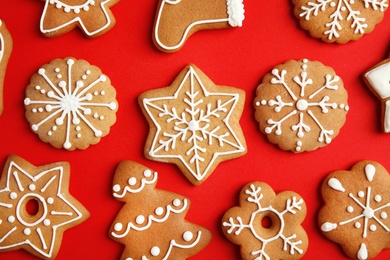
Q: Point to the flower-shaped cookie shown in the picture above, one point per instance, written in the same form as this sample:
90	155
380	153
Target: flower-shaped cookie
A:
39	232
93	16
339	20
267	225
357	208
301	105
70	104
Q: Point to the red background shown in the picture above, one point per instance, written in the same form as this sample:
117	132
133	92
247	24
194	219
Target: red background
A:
234	57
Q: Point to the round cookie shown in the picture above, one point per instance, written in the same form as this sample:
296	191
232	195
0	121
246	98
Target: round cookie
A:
339	20
267	225
356	209
301	105
70	104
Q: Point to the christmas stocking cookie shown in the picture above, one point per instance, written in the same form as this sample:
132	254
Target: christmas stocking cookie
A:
5	52
92	16
176	20
151	224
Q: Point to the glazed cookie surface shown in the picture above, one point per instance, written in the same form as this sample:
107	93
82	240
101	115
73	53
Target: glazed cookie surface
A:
301	105
40	233
94	17
339	20
70	104
378	80
267	225
151	224
194	124
178	19
5	52
356	209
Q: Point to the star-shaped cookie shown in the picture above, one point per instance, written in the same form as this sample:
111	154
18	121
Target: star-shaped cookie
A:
194	124
39	231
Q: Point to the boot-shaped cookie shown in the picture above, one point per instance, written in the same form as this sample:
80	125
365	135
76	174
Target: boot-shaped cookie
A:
92	16
176	20
5	52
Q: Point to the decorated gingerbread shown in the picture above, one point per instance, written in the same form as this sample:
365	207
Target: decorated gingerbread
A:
152	219
5	52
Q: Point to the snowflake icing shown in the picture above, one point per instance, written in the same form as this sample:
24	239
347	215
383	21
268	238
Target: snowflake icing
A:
192	127
366	214
343	10
290	244
70	103
301	104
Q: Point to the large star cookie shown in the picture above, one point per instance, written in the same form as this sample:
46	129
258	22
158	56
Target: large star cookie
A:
5	52
92	16
39	231
194	124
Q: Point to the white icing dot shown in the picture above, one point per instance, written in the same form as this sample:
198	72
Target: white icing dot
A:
147	173
112	105
96	93
11	219
37	87
176	202
50	133
84	77
116	188
101	117
50	200
54	128
27	231
34	110
118	226
96	115
350	209
155	251
78	135
343	9
67	9
57	70
13	195
40	109
373	228
258	103
31	187
140	219
78	128
383	215
159	211
46	222
59	76
41	71
103	78
378	198
187	236
263	102
357	225
102	93
132	181
88	72
70	62
361	194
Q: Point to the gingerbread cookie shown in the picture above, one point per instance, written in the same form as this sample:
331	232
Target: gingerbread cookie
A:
378	80
194	124
339	20
267	225
70	104
5	52
178	19
40	231
94	17
151	224
356	209
301	105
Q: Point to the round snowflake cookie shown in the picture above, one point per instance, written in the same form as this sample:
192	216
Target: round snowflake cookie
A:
339	20
301	105
70	104
356	209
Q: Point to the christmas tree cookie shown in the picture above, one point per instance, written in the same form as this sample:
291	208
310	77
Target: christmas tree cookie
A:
151	224
5	52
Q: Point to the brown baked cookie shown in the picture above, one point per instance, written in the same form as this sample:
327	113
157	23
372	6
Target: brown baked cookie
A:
339	20
378	80
194	124
70	104
356	209
151	224
267	225
301	105
5	53
176	20
94	17
38	231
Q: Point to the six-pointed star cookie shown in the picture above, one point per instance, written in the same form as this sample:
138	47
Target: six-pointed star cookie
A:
194	124
92	16
39	232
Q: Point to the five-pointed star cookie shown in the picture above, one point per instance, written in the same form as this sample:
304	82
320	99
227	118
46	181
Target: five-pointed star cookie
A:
39	231
194	124
92	16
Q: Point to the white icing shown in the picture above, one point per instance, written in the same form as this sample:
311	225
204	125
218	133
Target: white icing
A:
77	9
191	126
116	188
370	171
379	79
362	253
235	13
386	119
290	244
335	184
188	236
155	251
327	226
